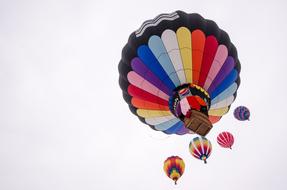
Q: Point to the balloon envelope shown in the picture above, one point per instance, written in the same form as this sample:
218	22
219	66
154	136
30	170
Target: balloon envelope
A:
179	73
241	113
225	139
174	167
200	148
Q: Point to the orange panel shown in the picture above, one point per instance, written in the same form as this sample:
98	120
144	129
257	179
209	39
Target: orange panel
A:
139	103
200	101
214	119
198	41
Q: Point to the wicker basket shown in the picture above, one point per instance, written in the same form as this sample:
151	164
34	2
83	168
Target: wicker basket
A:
197	122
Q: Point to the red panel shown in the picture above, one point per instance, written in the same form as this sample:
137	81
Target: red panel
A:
214	119
192	101
208	57
144	95
198	41
139	103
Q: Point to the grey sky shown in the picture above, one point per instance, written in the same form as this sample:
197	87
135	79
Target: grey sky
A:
65	125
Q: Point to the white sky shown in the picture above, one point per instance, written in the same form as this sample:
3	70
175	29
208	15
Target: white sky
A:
65	125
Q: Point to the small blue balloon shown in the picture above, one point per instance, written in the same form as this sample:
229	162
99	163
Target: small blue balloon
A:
241	113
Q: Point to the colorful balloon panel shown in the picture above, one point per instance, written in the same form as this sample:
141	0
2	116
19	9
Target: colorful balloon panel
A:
172	51
184	42
225	139
171	45
142	83
140	103
156	44
138	66
210	49
174	167
217	63
214	119
200	148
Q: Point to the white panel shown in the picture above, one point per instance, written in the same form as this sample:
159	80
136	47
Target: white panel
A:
170	42
224	103
158	120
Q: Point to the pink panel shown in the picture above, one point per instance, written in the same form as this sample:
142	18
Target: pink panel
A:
143	84
219	59
184	105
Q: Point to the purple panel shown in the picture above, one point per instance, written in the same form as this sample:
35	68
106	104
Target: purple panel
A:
178	110
183	130
142	70
224	71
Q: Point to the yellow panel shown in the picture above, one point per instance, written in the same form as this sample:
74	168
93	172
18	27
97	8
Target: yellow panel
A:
184	42
174	174
166	165
152	113
218	112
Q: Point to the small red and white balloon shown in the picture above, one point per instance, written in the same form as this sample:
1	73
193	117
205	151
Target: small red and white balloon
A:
225	139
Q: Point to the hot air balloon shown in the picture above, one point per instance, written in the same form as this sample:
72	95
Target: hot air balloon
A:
225	139
200	148
179	73
174	167
241	113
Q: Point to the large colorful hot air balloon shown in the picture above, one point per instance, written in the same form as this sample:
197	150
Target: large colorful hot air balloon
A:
174	167
179	73
225	139
241	113
200	148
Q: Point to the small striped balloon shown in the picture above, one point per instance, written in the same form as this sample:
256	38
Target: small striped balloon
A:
174	167
200	148
225	139
241	113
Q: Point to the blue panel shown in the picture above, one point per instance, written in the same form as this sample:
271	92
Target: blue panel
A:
183	130
229	80
225	94
151	62
157	47
166	125
173	129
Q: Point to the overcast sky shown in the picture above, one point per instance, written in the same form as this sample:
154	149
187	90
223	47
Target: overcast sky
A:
65	126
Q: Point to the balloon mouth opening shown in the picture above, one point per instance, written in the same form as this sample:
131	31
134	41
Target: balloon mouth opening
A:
204	159
190	103
189	97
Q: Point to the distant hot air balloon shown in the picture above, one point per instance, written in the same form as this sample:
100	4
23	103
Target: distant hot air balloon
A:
225	139
179	73
174	167
200	148
241	113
